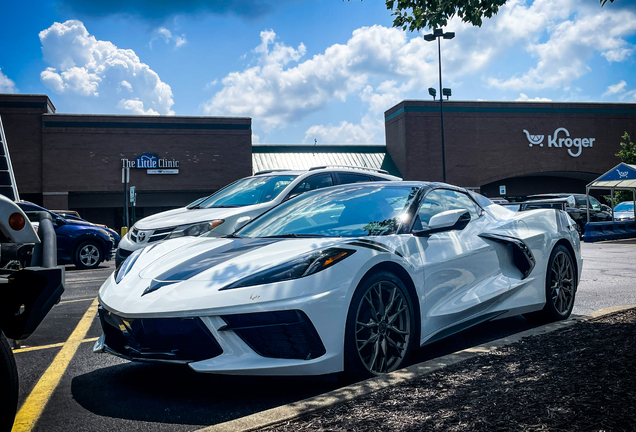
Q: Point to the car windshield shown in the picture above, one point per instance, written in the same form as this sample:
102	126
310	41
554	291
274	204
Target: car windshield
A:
352	211
624	206
248	191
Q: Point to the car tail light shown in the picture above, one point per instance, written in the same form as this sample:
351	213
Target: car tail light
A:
16	221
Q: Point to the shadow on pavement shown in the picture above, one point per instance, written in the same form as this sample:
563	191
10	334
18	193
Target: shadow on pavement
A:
175	394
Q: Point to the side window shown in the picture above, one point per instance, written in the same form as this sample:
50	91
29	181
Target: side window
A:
595	204
440	200
312	183
460	200
346	178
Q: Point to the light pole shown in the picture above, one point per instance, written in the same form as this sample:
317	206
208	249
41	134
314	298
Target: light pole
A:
437	34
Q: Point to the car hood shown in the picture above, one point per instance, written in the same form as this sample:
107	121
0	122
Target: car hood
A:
178	273
183	215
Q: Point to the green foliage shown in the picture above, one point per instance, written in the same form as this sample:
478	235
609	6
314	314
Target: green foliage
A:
627	155
628	152
414	15
418	14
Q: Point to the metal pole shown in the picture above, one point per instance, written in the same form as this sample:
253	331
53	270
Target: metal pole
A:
587	203
126	174
441	108
612	198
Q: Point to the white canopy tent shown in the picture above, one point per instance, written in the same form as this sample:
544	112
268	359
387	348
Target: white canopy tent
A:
621	177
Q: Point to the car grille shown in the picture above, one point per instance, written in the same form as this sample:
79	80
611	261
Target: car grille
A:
150	235
160	234
181	340
282	334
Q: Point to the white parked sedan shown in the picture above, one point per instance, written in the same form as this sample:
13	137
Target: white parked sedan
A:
239	202
345	278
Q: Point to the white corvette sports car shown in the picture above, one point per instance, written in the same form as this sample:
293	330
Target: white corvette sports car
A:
345	278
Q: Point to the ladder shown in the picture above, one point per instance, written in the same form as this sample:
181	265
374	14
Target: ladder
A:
8	186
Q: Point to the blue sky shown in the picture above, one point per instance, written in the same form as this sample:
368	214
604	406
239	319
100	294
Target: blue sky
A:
304	70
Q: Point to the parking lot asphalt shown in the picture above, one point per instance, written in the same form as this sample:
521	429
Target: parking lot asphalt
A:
88	392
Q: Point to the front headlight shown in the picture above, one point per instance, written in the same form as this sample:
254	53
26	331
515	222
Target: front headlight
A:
195	229
302	266
125	267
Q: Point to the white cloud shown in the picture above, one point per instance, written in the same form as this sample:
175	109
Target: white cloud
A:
7	85
276	94
167	36
616	88
367	132
629	96
524	98
135	106
566	55
87	67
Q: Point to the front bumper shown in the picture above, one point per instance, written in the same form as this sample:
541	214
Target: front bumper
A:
278	335
293	336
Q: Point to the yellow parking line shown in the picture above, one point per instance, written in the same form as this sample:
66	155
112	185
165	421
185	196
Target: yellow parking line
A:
85	280
41	347
77	300
36	401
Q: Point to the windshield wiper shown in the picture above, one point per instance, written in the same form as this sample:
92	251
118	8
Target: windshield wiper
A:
231	236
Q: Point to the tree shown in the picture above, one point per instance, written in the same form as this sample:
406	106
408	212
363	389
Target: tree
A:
414	15
627	155
628	152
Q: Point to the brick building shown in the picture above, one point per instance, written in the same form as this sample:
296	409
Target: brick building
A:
528	147
75	162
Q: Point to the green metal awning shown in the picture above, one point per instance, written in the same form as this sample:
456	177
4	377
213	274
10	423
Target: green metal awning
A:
303	157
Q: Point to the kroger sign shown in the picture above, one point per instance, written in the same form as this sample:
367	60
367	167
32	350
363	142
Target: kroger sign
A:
574	145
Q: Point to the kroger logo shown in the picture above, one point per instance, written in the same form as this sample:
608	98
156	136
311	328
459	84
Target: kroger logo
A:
574	145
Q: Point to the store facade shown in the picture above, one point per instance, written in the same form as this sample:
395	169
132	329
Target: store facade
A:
509	149
64	161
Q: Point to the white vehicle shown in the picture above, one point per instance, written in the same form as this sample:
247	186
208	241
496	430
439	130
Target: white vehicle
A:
239	202
624	211
347	278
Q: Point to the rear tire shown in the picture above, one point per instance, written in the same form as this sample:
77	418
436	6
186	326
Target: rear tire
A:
88	255
380	327
560	287
8	386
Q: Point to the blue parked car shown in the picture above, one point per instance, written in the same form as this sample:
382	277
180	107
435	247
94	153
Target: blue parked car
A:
78	242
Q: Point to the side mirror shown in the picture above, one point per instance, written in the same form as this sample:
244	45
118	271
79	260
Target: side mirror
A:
606	208
59	221
241	222
450	220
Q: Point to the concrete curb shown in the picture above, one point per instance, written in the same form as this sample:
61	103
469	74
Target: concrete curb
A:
290	411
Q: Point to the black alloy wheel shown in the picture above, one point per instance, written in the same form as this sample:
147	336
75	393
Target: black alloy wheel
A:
8	386
560	286
88	255
380	327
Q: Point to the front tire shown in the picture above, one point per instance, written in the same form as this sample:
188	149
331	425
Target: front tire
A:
8	386
380	327
88	255
560	287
